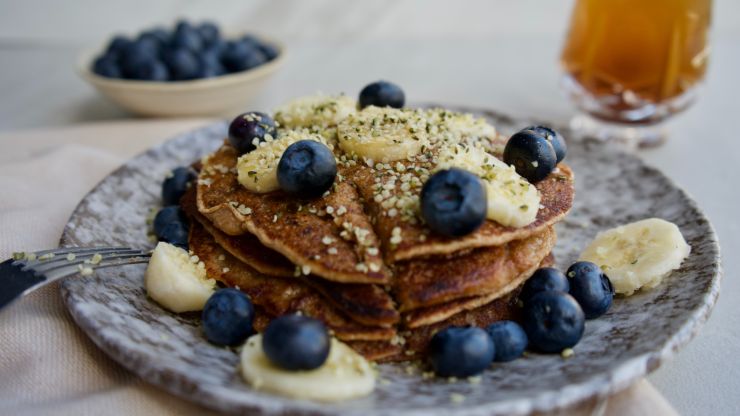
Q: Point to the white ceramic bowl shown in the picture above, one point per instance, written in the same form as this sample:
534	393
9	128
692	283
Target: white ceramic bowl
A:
218	96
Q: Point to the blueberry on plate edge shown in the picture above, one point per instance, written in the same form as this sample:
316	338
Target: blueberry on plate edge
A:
306	169
544	279
553	321
591	288
382	94
453	202
460	351
176	183
171	226
296	342
227	317
509	340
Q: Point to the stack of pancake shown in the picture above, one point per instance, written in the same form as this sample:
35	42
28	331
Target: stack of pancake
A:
382	283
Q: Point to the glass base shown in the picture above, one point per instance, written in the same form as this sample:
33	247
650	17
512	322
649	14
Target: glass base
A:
632	136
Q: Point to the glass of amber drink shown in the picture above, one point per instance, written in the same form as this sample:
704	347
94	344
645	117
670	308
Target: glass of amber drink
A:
630	64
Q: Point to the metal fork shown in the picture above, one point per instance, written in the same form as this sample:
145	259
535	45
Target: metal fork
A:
26	272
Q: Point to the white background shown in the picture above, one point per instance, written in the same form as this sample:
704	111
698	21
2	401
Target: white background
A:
500	54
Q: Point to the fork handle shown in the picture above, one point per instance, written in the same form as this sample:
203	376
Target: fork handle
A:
16	282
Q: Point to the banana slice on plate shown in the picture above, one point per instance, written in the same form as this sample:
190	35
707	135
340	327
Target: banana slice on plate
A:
176	280
638	255
383	134
512	200
344	375
315	111
257	170
452	127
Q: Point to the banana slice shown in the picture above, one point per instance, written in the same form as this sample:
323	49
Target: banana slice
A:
176	280
638	255
317	111
383	134
512	200
257	170
344	375
451	127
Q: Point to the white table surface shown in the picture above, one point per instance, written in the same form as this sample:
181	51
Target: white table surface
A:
495	53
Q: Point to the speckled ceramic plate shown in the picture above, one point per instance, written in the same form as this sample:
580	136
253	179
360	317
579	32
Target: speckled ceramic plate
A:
634	338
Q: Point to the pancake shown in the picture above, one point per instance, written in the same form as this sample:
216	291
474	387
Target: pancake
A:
556	191
340	246
489	270
274	295
366	304
437	313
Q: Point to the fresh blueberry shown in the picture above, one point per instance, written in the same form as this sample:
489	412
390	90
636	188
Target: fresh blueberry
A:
453	202
382	94
544	279
107	66
247	127
509	338
531	154
186	37
209	33
553	321
175	185
171	226
556	140
227	317
151	70
591	288
240	56
182	63
461	351
270	51
296	342
210	68
118	44
159	35
306	169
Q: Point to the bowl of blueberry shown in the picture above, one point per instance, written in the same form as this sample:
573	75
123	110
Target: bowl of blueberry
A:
191	69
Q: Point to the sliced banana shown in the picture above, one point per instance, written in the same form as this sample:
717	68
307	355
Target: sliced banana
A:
383	134
176	280
257	170
512	200
638	255
320	113
344	375
450	127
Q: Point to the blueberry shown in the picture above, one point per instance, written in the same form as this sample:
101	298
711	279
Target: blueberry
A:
296	342
186	37
107	66
556	140
382	94
175	185
553	321
210	68
171	226
544	279
227	317
209	33
591	288
509	339
453	202
137	54
118	44
460	351
531	154
151	70
158	34
182	63
270	51
306	169
240	56
247	127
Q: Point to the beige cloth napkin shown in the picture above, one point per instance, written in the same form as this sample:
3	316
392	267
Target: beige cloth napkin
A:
47	364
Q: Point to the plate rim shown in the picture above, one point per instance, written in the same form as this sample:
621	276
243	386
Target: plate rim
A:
601	385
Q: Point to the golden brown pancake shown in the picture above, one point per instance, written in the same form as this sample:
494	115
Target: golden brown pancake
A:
274	295
364	303
488	270
339	246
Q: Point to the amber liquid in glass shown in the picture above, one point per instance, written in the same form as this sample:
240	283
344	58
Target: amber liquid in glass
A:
634	60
